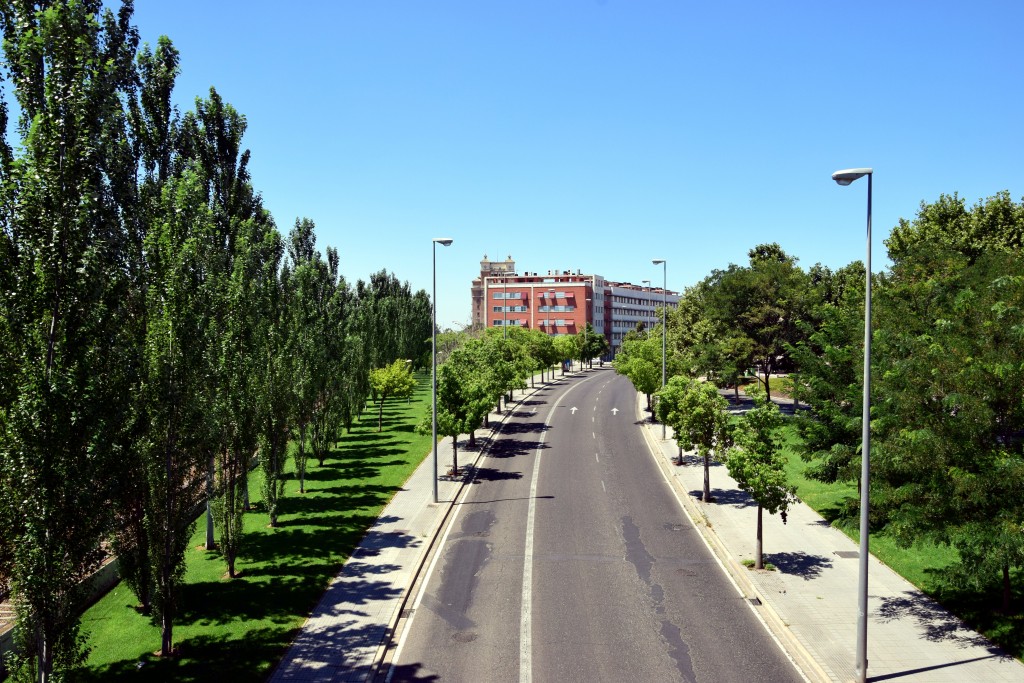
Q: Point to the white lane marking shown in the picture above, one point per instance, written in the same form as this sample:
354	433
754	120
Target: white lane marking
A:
602	487
526	604
597	457
593	435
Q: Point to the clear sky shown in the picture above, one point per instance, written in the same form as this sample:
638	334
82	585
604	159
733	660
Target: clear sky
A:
598	134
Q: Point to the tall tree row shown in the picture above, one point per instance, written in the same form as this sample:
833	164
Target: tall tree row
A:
155	340
64	326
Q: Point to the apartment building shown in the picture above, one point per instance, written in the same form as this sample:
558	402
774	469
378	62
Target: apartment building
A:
562	301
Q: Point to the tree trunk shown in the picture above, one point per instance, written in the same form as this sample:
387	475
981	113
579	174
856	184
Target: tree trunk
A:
166	631
1007	595
380	415
302	459
472	439
767	389
736	389
455	455
649	409
45	660
759	558
211	542
707	477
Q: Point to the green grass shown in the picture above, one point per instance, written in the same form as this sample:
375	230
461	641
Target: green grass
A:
925	565
237	630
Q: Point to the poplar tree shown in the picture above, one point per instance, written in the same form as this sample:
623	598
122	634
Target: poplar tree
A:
70	65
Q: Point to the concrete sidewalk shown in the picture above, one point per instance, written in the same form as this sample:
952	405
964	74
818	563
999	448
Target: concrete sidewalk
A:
349	633
810	602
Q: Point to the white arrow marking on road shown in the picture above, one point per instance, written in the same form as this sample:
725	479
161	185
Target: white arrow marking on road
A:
573	409
615	411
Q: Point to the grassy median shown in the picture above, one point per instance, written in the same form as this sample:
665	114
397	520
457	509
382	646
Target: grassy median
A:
237	630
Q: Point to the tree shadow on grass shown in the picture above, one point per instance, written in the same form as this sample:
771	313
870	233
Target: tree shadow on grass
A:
202	658
800	564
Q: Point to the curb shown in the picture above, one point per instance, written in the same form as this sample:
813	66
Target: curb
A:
801	657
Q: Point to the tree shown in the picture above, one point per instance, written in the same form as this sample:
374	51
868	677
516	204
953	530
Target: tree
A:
756	462
697	415
639	359
948	459
394	380
590	344
464	396
274	390
763	305
831	372
175	394
70	68
566	346
308	292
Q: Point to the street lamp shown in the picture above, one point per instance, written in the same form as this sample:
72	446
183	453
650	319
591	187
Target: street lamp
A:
444	242
664	328
861	665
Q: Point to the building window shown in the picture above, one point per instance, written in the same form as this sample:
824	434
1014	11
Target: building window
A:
556	309
508	295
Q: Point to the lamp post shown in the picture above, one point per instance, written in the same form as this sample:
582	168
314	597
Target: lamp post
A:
846	177
664	328
443	241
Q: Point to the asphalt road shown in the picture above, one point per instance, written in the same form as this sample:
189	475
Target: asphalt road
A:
570	559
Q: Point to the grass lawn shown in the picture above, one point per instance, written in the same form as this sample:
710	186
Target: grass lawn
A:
924	564
237	630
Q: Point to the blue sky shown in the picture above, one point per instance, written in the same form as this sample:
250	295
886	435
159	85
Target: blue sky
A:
601	134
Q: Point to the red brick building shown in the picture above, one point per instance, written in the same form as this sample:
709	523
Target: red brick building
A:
562	301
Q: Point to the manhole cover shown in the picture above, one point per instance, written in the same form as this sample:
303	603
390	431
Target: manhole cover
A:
848	554
464	637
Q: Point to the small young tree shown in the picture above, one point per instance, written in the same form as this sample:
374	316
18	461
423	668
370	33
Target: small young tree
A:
391	381
639	359
696	412
758	466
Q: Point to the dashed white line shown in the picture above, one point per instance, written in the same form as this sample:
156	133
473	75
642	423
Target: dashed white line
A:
603	487
526	605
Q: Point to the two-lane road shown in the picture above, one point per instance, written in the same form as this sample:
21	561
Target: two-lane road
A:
570	559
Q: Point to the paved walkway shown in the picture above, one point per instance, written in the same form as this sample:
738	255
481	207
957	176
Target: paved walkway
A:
810	603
